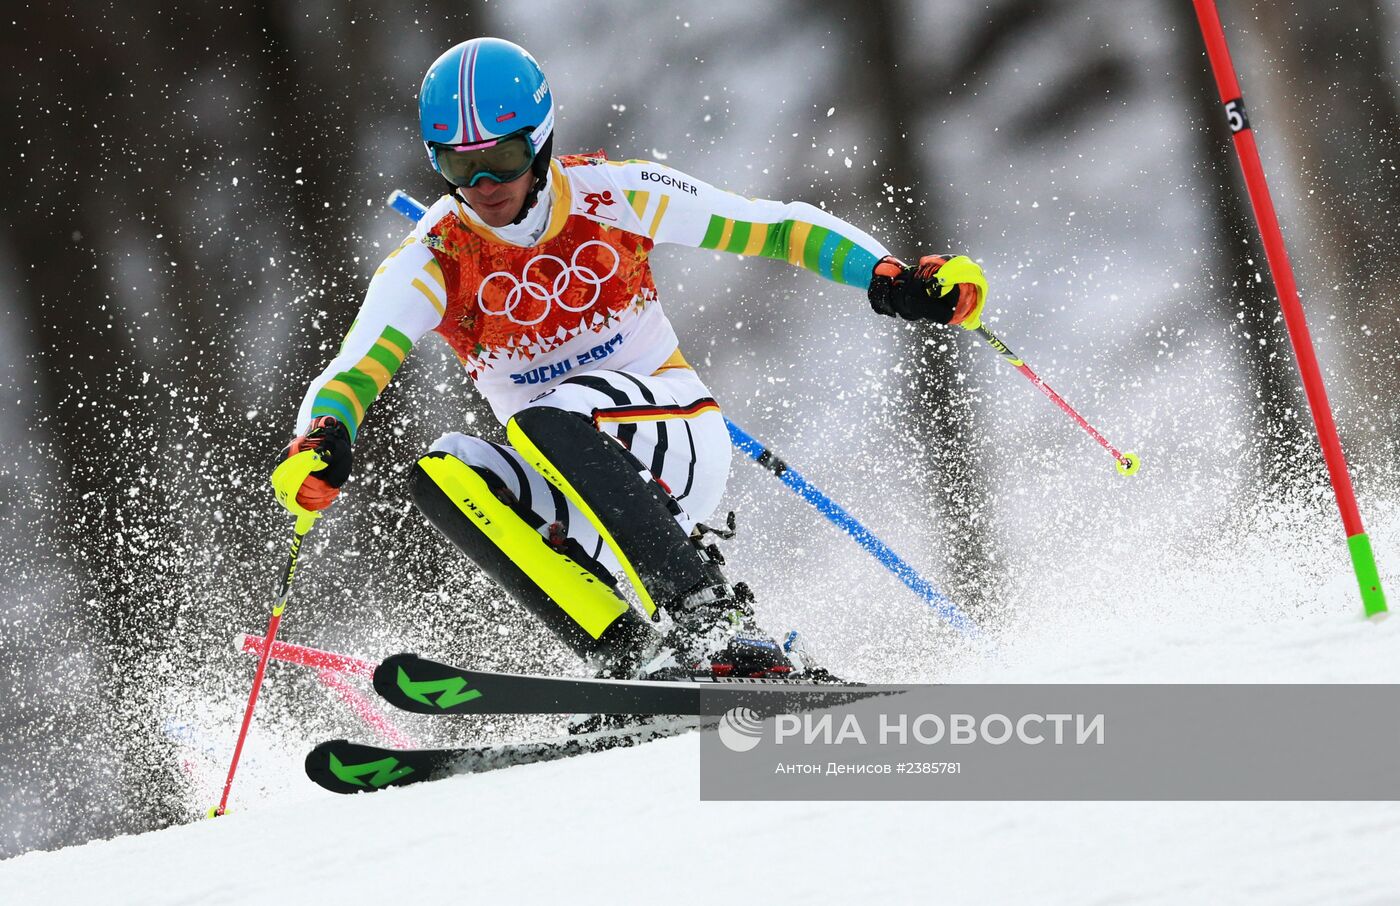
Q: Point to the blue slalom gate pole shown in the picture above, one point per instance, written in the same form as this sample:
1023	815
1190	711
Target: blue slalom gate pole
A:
837	515
834	512
407	205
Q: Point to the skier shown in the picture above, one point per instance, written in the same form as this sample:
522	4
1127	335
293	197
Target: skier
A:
535	270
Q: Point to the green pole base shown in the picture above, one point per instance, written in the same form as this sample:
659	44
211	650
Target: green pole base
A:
1363	559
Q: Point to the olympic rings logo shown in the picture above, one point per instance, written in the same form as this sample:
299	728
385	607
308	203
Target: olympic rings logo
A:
550	295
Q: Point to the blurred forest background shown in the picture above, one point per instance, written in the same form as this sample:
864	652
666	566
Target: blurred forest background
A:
193	205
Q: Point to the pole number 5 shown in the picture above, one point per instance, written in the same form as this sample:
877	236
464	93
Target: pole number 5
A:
1234	112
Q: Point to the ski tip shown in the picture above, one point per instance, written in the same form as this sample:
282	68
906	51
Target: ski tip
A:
319	755
387	671
330	744
395	660
341	766
319	769
424	686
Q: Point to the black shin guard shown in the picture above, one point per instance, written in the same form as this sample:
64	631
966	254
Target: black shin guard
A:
570	598
635	517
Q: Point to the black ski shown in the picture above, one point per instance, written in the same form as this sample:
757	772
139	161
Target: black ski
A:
347	767
416	684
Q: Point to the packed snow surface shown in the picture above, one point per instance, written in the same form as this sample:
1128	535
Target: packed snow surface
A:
628	825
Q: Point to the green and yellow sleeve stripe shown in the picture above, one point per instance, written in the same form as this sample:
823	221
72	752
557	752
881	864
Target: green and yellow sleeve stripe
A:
431	269
816	248
347	395
649	215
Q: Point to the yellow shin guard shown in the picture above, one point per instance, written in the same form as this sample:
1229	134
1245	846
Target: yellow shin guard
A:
577	605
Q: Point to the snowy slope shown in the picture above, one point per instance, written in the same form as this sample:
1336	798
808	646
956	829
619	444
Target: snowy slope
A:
1273	603
628	826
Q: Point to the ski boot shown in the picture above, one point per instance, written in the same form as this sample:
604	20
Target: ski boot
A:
714	629
734	646
751	652
714	634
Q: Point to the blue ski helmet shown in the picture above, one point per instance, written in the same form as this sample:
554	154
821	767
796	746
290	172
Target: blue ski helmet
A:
485	89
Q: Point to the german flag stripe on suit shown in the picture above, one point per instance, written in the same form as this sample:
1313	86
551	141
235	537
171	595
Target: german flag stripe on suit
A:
654	413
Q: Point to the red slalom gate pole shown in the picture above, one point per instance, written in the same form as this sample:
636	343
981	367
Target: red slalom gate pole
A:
330	670
336	682
306	657
1363	559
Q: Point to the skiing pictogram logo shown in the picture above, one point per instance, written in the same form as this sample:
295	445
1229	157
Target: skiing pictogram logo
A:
740	729
595	199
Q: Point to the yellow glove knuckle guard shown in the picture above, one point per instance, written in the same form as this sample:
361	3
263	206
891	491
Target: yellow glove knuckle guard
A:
962	269
287	479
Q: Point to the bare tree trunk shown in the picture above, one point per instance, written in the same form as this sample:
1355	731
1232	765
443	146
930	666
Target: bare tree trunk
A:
1340	123
940	407
139	264
104	422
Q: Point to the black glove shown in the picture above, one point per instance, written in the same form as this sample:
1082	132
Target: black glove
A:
916	292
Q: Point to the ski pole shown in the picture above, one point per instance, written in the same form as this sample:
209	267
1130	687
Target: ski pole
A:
286	479
414	210
1363	559
1128	463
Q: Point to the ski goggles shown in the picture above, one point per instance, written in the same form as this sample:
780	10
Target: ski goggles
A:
499	160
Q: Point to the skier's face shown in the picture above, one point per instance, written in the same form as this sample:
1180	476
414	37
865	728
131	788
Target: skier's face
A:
498	203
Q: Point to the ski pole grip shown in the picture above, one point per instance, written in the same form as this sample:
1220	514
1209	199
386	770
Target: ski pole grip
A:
287	479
